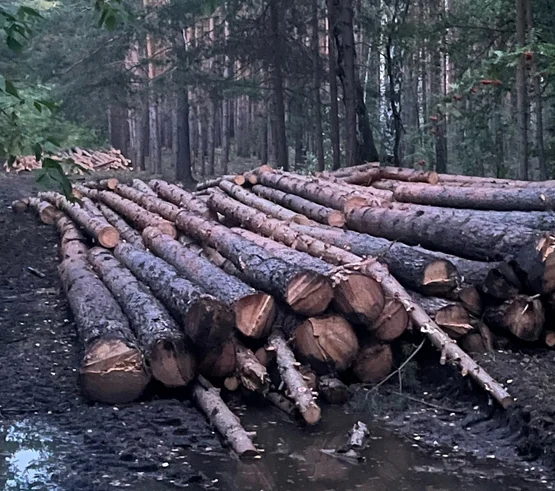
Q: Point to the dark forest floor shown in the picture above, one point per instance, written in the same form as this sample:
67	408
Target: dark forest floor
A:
107	447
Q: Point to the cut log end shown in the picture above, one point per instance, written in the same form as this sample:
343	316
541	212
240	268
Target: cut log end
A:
220	362
255	314
167	228
108	237
454	320
113	373
336	219
209	322
550	339
392	322
312	414
373	363
111	183
172	364
359	297
440	277
309	293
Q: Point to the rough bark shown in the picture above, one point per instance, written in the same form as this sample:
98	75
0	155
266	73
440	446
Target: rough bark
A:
153	204
254	311
328	343
373	363
174	194
238	179
293	380
204	319
47	212
72	242
451	316
366	177
228	425
334	106
521	83
414	268
357	296
522	316
161	339
449	179
314	211
136	214
316	76
471	239
101	184
305	291
184	161
112	368
125	231
262	204
143	187
99	229
517	199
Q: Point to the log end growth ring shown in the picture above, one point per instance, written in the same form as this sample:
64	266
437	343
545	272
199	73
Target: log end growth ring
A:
440	276
255	314
108	237
113	373
309	293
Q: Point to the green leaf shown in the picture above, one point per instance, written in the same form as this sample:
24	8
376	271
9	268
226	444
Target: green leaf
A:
38	106
110	22
14	44
37	149
11	89
30	12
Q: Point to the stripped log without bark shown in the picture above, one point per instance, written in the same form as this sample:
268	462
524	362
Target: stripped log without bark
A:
125	231
252	373
161	339
136	214
451	316
293	380
254	311
174	194
327	343
450	352
214	183
520	199
357	296
205	320
112	368
47	212
303	290
106	235
416	269
314	211
262	204
228	425
522	316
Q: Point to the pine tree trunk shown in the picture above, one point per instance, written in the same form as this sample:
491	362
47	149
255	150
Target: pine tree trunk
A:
211	136
522	92
318	129
334	105
183	164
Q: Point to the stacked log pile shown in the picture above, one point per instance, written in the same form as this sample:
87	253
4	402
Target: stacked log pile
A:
289	286
75	160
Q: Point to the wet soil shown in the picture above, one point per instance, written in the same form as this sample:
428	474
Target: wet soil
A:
162	442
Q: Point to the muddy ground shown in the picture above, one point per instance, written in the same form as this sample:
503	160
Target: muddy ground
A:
107	447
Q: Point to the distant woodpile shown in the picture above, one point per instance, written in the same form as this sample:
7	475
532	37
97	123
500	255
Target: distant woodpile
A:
292	286
85	160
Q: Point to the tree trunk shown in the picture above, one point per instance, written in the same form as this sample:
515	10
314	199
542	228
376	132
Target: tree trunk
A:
47	212
158	334
294	381
180	197
357	296
282	157
522	92
316	78
303	206
522	316
513	199
303	290
238	179
126	232
334	105
392	322
366	176
229	426
373	363
418	270
205	320
252	373
96	227
212	105
226	137
183	164
254	311
153	204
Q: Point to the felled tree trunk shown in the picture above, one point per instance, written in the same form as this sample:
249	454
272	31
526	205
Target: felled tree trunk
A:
153	204
293	380
110	183
252	373
205	320
392	322
368	176
303	290
254	311
262	204
238	179
112	369
174	194
327	343
522	316
47	212
163	343
314	211
357	296
373	363
473	180
416	269
99	229
72	242
220	361
143	187
126	232
451	316
523	199
136	214
229	426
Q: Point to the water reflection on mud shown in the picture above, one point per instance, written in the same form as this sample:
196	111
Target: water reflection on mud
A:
293	461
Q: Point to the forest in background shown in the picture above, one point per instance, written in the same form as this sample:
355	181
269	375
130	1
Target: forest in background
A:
199	87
